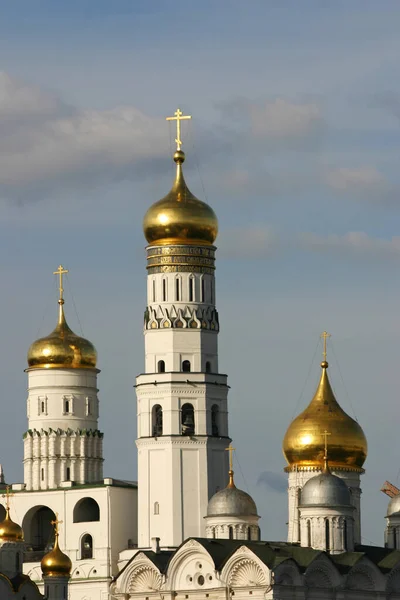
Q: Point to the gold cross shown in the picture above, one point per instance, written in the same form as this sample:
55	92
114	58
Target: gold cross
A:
325	335
60	272
230	449
326	434
55	524
7	496
178	118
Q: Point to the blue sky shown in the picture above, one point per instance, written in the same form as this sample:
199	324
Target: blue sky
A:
294	142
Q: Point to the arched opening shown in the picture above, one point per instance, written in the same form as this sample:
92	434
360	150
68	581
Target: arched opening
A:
66	406
231	533
394	538
157	420
38	530
42	407
208	367
164	290
2	513
161	366
177	289
309	534
203	290
191	289
327	536
187	419
215	420
156	508
345	535
68	474
86	510
86	546
186	366
248	533
212	294
154	290
42	474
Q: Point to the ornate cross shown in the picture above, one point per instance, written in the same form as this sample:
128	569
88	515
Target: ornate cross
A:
7	496
325	435
230	449
60	272
55	524
325	335
179	116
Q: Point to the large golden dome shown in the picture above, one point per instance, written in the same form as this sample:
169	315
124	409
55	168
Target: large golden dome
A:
55	563
62	348
303	445
180	217
10	531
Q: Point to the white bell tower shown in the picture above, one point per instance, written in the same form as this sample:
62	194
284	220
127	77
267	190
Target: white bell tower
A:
181	397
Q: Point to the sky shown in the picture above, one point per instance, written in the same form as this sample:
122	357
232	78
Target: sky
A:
294	142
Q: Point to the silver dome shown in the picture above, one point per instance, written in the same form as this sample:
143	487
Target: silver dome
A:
394	506
325	490
231	502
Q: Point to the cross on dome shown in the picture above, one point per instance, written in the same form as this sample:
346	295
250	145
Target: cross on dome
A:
55	524
60	272
179	116
325	335
7	496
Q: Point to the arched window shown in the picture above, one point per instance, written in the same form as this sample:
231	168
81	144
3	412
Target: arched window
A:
66	406
231	533
215	420
249	533
191	289
38	530
177	289
42	474
212	294
394	538
2	513
154	290
86	510
309	534
186	366
86	546
203	290
327	536
208	367
157	421
345	535
43	407
156	508
258	533
187	419
164	290
213	532
161	366
68	475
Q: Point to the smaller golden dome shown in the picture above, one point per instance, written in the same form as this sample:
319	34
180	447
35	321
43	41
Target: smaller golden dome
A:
303	445
62	348
180	217
10	531
56	563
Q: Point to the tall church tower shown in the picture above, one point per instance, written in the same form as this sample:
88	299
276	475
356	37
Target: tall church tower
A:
63	442
181	397
304	450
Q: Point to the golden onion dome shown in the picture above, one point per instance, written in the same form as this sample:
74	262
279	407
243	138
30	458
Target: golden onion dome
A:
10	531
303	445
180	217
55	563
62	348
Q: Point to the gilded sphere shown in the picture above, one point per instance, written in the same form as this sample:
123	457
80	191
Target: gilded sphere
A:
10	531
304	446
180	217
62	348
56	563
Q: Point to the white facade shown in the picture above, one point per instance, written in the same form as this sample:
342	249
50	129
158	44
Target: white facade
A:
297	480
98	522
63	442
182	405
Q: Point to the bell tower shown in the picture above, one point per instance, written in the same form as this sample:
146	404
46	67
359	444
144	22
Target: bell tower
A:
181	396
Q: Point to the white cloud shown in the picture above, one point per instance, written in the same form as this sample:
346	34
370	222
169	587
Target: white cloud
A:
357	243
46	146
247	242
362	179
282	118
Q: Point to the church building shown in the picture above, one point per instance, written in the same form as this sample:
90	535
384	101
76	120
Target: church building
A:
184	530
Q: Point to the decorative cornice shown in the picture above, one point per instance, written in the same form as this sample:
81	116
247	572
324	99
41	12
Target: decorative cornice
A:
318	469
181	259
64	432
182	317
